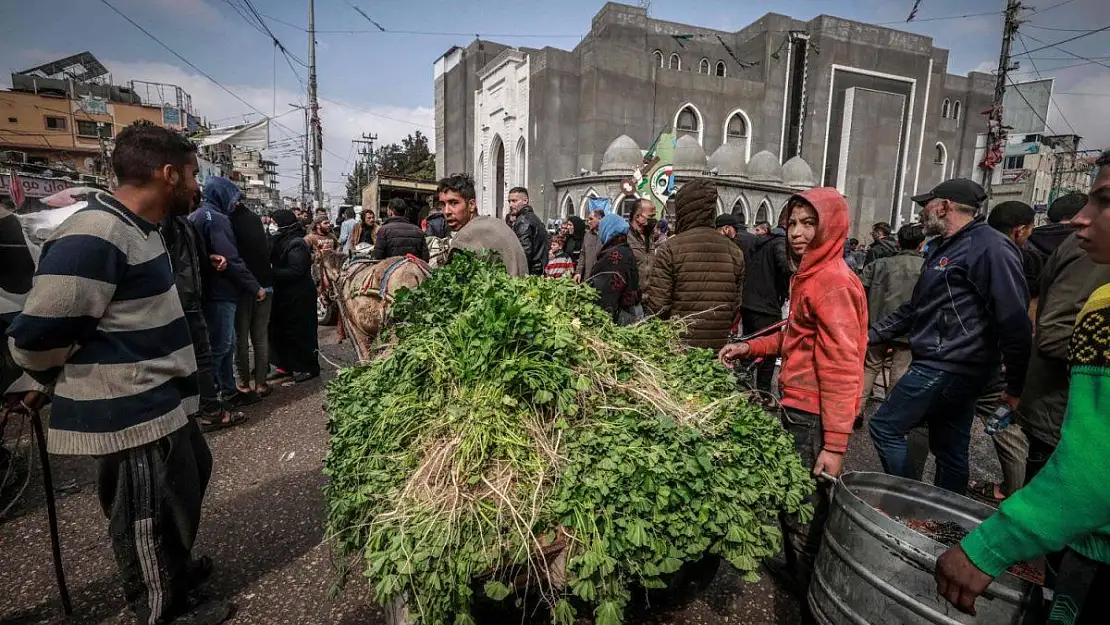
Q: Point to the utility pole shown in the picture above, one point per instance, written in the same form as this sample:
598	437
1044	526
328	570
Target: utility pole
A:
305	155
367	153
995	148
314	105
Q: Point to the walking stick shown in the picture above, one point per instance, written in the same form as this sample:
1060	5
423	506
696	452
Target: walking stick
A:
51	512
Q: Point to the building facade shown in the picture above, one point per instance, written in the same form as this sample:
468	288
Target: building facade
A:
63	115
872	110
1037	168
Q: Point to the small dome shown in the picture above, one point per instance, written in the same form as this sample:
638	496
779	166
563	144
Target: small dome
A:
764	167
689	156
797	173
622	155
728	160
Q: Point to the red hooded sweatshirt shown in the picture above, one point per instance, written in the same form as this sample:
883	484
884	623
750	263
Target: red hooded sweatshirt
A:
825	338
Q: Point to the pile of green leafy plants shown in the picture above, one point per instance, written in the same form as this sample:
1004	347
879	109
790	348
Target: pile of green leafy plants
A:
513	435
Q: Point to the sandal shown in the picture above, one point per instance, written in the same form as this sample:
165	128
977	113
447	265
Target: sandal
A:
278	374
263	390
985	492
227	419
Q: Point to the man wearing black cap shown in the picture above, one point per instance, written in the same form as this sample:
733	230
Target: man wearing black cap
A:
967	316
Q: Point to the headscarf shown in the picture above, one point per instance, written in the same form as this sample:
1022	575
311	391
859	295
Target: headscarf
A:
576	240
611	225
288	227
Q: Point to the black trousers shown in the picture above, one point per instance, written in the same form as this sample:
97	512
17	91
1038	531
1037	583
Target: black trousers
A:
152	497
752	321
1081	593
210	405
802	541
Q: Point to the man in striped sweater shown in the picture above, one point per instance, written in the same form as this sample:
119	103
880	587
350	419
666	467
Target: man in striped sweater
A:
104	329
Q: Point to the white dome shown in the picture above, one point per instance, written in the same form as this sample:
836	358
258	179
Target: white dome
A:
764	167
728	160
797	173
689	156
622	155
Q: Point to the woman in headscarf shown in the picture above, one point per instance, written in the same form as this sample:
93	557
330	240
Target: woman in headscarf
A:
575	238
615	274
293	340
366	230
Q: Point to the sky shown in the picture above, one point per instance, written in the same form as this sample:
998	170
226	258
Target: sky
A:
382	82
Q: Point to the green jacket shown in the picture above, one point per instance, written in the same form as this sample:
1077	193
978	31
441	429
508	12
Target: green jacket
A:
1067	280
889	282
1067	504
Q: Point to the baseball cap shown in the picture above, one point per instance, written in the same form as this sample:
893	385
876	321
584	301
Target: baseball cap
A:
958	190
727	220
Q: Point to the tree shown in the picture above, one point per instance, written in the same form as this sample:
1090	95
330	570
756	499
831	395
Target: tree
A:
356	180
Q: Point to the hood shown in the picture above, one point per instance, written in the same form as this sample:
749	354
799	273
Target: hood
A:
611	225
221	194
435	216
1047	238
765	239
695	205
579	227
827	245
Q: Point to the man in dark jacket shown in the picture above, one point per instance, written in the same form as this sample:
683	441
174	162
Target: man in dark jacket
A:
698	275
252	317
222	292
435	225
968	314
398	236
1045	239
530	230
766	287
883	244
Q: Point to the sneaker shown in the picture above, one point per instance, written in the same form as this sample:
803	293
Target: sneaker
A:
304	376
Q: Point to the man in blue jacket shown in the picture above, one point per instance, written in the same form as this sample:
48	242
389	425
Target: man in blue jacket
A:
223	291
968	315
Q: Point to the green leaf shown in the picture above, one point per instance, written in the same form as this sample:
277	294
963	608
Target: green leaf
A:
496	590
564	613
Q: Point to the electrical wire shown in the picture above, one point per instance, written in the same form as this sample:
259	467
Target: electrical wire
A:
376	114
1072	54
1069	39
1055	6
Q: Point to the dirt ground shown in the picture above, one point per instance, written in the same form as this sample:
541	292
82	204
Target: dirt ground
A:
263	526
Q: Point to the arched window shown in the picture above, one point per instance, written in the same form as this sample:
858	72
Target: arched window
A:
568	206
941	157
703	67
721	69
658	54
688	120
740	208
738	131
520	163
676	62
956	110
584	207
944	108
764	212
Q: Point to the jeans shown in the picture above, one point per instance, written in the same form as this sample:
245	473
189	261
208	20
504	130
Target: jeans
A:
946	403
252	324
220	317
802	541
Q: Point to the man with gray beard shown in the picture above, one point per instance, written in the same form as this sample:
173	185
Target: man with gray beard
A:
968	315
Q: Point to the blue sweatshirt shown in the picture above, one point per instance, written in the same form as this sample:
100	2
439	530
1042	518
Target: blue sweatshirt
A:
969	309
211	221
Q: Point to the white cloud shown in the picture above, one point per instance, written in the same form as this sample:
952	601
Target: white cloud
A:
987	67
339	120
1086	114
190	10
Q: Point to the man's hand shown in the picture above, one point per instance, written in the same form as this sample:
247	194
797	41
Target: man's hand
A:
1009	400
733	351
260	295
828	462
219	263
33	400
959	580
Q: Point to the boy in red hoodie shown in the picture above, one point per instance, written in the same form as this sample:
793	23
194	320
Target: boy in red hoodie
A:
822	350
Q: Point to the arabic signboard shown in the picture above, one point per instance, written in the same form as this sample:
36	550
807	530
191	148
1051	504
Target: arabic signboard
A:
1014	176
95	106
34	186
171	117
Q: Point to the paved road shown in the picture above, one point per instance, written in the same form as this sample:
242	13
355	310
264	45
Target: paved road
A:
263	526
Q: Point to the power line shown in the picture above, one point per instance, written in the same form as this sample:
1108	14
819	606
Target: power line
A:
1055	6
1064	30
1086	95
1069	39
1026	100
376	114
1072	54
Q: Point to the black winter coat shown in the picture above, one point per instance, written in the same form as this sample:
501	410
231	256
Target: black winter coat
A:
767	276
436	226
397	237
253	243
617	278
189	259
533	238
880	249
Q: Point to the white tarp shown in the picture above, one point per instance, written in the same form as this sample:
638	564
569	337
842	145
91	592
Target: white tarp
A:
252	135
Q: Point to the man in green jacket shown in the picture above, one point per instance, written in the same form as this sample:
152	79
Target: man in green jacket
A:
1067	505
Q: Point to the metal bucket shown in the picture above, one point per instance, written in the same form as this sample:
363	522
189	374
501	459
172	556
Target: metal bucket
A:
872	570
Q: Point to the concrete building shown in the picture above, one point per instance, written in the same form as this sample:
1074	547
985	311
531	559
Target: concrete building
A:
1037	169
873	110
63	115
257	178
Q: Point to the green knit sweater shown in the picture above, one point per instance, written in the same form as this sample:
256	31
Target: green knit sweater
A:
1068	503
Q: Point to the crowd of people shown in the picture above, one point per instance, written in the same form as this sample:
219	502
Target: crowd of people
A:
159	309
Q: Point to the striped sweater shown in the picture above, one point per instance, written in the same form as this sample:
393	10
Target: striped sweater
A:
104	326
